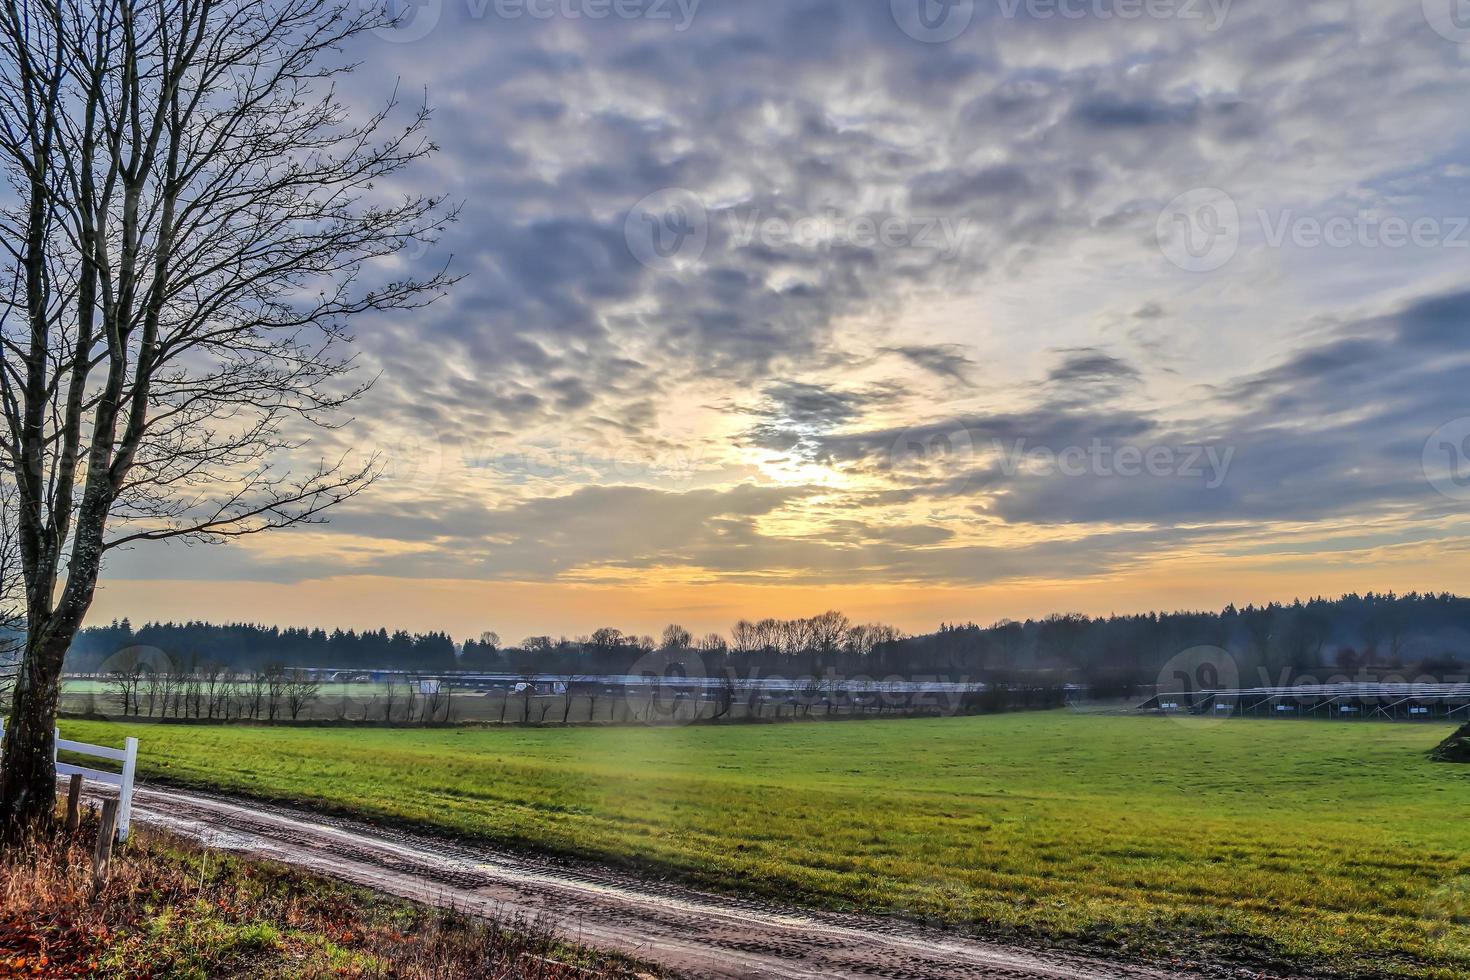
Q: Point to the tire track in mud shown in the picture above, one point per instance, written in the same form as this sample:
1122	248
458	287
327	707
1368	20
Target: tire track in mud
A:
679	928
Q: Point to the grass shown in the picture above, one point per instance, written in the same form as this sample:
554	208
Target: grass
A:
173	910
1334	846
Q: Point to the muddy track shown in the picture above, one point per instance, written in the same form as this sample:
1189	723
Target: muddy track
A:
691	932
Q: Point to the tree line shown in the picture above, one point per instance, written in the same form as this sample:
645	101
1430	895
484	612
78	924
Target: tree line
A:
144	688
1418	633
249	647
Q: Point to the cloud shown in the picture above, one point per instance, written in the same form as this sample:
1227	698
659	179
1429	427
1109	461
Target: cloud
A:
835	406
946	361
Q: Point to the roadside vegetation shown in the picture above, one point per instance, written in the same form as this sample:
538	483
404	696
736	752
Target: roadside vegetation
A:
1340	848
174	910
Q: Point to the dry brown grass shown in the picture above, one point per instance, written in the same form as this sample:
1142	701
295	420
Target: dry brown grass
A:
172	909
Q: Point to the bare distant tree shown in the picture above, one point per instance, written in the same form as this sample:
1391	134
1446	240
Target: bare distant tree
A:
253	695
390	695
448	703
436	697
191	692
676	637
725	696
193	220
159	690
608	639
527	684
302	691
218	683
275	680
745	637
568	691
124	683
411	699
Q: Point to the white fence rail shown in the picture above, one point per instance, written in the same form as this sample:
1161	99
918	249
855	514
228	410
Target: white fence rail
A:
128	756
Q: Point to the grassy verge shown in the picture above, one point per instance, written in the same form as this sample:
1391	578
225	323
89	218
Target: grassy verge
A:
1335	847
173	910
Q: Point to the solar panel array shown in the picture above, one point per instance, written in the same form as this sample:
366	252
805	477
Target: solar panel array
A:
1393	701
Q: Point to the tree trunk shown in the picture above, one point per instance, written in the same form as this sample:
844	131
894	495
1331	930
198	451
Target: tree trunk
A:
28	772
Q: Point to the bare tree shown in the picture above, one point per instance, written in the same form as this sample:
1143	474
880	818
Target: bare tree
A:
191	692
253	695
436	696
193	223
302	691
676	637
410	699
725	694
275	679
218	682
390	695
527	687
568	690
124	682
160	690
448	702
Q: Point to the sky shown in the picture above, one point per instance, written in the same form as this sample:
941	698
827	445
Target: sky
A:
926	310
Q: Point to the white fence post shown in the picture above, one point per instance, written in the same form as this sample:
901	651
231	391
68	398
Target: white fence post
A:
125	792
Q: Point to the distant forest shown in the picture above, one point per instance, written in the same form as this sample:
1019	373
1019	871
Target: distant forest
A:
1369	635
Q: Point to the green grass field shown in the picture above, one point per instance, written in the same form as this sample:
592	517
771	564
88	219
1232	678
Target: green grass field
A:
1336	843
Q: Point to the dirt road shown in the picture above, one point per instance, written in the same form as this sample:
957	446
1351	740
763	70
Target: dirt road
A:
699	934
